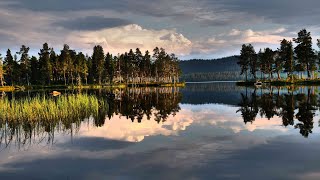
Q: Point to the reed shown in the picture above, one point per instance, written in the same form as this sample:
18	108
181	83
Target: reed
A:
65	109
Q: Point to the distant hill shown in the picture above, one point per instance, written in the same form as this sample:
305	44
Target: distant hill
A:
213	65
224	69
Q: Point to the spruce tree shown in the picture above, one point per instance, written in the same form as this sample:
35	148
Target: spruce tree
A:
304	53
286	56
9	67
24	64
98	63
45	64
2	82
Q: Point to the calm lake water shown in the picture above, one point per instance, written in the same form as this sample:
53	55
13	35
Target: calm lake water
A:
204	131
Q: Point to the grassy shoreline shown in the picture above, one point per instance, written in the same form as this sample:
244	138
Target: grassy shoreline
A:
115	86
284	82
41	108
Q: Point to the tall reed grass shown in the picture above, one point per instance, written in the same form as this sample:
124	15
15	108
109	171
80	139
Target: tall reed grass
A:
66	108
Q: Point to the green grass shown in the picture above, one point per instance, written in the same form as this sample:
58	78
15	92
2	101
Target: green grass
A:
64	108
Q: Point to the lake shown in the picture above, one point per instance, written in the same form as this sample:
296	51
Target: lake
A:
202	131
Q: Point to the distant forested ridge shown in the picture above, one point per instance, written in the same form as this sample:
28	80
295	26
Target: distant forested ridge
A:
224	69
69	67
212	65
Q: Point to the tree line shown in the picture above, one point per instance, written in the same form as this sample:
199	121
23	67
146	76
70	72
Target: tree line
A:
212	76
286	59
75	68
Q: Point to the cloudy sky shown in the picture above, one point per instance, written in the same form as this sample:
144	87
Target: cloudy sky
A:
189	28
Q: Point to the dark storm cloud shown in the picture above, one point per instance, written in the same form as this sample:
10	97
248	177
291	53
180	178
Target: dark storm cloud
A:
92	23
278	11
195	19
157	9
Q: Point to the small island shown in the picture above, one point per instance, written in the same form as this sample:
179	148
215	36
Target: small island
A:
288	65
71	69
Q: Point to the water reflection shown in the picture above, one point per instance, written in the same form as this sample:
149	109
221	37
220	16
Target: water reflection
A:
123	107
295	107
158	134
134	103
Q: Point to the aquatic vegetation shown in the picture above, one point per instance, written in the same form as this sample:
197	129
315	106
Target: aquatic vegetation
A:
37	118
49	109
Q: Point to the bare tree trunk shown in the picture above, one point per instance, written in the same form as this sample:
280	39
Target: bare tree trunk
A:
64	77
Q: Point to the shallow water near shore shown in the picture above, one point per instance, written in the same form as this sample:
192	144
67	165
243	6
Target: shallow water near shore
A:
202	131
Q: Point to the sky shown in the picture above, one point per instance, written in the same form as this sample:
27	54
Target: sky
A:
189	28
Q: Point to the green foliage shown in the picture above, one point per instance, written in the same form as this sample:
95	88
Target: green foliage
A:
35	70
248	60
9	67
45	109
267	60
27	117
109	67
2	72
45	65
285	59
24	64
305	55
69	67
286	56
97	63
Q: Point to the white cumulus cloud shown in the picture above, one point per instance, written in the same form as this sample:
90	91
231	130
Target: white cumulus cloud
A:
121	39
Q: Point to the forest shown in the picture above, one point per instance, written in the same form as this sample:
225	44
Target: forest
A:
223	69
286	63
213	76
75	68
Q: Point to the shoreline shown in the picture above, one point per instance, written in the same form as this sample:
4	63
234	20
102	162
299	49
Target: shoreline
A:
91	86
303	82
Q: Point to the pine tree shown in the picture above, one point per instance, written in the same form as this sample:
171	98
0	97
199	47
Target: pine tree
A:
248	60
81	68
24	63
269	61
109	67
9	67
35	70
147	64
279	63
97	63
286	56
45	64
54	60
304	53
139	64
2	82
64	61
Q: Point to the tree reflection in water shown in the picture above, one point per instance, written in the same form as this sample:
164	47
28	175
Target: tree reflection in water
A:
131	103
296	108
